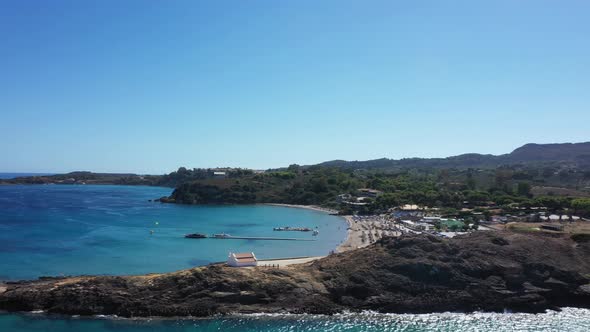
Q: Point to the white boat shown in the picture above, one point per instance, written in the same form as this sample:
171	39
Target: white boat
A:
222	235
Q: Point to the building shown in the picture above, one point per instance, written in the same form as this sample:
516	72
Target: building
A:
431	220
369	192
412	207
219	174
242	259
553	227
342	198
496	219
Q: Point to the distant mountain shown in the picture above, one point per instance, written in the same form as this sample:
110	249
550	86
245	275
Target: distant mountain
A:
576	154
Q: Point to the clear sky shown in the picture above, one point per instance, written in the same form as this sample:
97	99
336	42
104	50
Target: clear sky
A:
148	86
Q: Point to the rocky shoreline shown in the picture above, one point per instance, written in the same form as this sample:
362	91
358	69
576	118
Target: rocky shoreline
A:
484	271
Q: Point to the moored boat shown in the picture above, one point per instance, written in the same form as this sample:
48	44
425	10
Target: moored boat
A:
196	236
292	229
222	235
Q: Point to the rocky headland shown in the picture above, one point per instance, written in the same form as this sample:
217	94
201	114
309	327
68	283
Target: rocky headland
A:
487	271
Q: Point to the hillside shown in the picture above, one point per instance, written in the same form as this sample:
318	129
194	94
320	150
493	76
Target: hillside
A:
484	271
83	177
574	154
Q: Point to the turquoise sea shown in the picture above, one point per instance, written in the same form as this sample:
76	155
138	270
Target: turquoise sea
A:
73	230
48	230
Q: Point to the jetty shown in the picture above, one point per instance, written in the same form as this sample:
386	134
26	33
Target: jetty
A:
292	229
231	237
224	236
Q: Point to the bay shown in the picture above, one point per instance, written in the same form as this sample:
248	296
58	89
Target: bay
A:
55	230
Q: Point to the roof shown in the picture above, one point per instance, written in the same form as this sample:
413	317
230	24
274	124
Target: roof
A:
244	255
246	260
370	190
410	207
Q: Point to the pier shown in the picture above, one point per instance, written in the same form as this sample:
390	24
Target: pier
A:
229	237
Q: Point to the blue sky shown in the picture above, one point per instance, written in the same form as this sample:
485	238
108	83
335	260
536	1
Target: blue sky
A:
148	86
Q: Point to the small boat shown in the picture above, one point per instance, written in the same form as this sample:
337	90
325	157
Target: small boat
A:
221	236
196	236
292	229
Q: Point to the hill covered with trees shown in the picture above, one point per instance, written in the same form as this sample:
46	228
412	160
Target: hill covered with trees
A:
556	176
575	155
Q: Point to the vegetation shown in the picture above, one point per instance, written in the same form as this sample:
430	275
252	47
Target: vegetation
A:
314	185
508	187
582	205
553	176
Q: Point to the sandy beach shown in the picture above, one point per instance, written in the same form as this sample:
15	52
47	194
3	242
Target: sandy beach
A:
309	207
353	239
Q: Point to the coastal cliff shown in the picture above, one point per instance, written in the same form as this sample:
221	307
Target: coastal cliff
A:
488	271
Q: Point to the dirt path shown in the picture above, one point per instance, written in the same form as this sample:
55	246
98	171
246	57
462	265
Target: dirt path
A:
285	262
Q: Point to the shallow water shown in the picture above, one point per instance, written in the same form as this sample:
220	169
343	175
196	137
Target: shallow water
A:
49	230
570	319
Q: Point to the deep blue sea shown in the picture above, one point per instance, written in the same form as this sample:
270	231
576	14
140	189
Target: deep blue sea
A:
76	229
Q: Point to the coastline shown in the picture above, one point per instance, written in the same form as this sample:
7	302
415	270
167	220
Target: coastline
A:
354	237
328	286
353	234
308	207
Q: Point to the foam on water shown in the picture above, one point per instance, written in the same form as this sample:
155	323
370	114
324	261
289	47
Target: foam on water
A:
569	319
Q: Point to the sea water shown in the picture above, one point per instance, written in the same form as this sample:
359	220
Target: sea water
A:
55	230
7	176
73	230
569	319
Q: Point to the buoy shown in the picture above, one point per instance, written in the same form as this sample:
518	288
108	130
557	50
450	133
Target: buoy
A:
151	231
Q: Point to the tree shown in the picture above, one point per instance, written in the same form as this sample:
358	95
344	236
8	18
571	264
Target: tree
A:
523	189
471	182
581	205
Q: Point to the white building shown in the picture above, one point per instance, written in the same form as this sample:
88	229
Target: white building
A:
431	220
369	192
242	259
